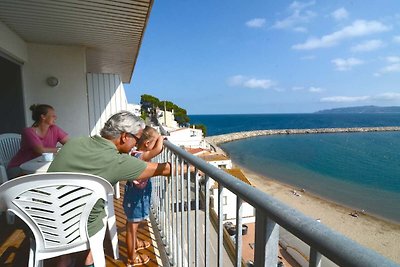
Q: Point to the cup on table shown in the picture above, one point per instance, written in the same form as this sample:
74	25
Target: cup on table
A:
48	156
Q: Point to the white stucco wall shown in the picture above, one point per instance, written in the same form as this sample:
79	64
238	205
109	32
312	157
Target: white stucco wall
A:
168	119
229	207
227	164
187	137
69	98
12	45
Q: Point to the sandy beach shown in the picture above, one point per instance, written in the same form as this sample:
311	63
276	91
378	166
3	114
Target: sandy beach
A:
374	233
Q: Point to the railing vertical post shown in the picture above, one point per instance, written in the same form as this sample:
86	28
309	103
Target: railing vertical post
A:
189	202
207	221
315	258
174	212
267	237
161	181
239	214
196	221
168	209
182	213
220	226
177	232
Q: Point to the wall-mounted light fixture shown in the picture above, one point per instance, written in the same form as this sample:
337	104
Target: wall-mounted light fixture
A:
52	81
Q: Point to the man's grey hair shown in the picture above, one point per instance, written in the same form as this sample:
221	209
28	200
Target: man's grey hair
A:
122	122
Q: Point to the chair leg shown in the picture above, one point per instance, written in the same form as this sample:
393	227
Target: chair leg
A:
33	259
117	193
112	228
96	247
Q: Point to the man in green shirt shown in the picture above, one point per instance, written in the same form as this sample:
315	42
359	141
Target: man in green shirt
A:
107	156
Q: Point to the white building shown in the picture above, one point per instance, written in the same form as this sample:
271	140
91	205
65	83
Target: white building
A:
228	198
167	119
188	137
229	201
218	160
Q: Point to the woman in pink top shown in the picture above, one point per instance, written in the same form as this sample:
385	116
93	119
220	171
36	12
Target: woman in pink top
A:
42	137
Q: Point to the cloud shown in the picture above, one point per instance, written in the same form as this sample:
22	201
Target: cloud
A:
298	16
256	23
300	29
346	64
391	68
393	65
315	89
393	59
346	99
357	29
389	96
298	6
243	81
396	39
311	89
368	46
340	14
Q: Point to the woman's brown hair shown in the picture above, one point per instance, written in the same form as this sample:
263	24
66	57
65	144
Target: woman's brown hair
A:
37	111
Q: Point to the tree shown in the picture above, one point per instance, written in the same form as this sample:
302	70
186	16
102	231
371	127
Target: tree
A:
150	103
202	127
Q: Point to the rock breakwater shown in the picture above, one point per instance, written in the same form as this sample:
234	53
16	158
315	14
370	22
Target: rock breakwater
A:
224	138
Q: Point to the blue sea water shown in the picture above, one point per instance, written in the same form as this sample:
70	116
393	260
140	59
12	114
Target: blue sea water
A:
359	170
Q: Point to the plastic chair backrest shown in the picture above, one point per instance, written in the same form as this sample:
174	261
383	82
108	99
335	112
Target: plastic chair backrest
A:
56	207
9	146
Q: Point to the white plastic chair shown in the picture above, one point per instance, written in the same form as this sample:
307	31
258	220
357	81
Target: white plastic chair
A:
9	146
56	207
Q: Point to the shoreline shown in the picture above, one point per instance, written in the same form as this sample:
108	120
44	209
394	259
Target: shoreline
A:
368	230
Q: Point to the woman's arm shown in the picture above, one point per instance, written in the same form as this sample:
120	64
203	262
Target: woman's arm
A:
41	149
64	140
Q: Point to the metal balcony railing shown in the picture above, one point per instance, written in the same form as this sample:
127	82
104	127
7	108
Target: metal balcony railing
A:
181	207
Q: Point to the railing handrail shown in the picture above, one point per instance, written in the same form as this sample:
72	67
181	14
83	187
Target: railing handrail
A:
312	232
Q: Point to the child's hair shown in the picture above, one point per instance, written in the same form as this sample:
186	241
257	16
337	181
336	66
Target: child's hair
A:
147	135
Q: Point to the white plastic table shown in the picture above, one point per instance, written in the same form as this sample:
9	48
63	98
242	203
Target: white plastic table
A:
36	165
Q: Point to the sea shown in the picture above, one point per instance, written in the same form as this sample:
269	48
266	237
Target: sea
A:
357	170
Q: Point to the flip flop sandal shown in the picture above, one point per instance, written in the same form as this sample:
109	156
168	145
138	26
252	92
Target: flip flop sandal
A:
142	245
139	260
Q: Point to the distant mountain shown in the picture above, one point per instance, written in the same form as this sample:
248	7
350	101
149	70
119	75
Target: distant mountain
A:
362	109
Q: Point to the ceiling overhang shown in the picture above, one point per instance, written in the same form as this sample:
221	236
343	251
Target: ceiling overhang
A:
111	31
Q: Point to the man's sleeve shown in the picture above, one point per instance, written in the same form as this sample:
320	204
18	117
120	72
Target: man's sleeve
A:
130	168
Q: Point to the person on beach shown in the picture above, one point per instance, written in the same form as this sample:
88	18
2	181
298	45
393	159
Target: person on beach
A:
107	156
137	196
41	137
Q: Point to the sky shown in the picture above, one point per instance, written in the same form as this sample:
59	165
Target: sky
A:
258	56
